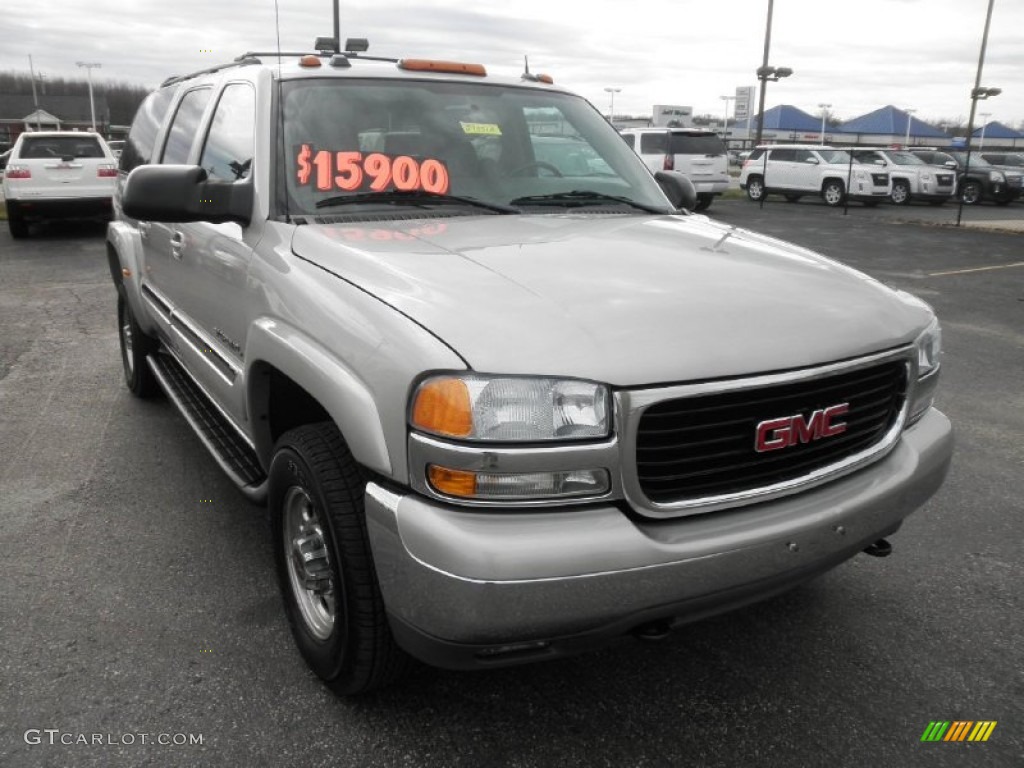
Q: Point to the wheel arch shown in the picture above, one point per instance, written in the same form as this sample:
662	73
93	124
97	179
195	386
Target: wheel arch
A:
291	380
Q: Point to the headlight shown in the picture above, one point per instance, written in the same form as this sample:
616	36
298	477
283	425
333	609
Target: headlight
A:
929	349
926	177
860	175
996	176
510	409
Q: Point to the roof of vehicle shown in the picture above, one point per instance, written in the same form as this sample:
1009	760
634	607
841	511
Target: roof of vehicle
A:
54	134
295	66
797	146
667	129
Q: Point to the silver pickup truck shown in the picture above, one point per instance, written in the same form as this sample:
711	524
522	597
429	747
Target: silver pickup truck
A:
501	408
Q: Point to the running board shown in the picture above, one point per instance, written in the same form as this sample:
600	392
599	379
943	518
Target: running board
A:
232	453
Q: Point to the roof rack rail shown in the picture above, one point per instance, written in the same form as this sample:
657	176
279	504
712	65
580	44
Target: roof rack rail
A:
321	54
241	61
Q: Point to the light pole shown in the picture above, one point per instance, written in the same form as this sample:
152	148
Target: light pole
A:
824	114
977	92
611	109
725	121
906	140
766	73
92	105
984	124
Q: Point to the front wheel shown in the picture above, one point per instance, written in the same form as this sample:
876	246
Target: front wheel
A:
136	346
900	194
970	193
324	563
703	201
833	192
755	188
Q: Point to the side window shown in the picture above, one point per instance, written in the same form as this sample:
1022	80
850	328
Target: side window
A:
185	126
783	155
653	143
802	155
138	148
228	151
630	139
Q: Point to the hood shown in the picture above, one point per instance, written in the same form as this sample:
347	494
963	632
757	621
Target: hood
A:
627	300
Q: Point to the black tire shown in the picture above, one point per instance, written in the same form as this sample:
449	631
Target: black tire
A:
970	192
833	192
704	200
136	346
755	188
792	198
17	225
324	563
900	194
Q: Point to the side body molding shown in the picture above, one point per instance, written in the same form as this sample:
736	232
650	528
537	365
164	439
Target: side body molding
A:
344	396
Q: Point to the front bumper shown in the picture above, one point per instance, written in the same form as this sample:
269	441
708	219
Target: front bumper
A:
467	589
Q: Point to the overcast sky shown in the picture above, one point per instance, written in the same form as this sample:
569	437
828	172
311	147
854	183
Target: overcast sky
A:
857	55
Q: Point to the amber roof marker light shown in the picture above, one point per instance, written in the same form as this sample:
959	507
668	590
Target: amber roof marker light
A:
451	67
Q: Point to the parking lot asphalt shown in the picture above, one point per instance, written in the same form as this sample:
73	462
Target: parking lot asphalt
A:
137	592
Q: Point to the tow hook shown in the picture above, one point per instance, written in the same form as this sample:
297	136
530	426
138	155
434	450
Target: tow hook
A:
880	548
652	631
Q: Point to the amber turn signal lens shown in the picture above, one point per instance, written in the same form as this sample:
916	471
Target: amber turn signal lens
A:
453	482
452	67
442	406
309	61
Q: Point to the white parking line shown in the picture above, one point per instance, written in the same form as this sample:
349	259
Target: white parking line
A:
975	269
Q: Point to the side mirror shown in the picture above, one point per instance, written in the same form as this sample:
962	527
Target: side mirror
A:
811	160
181	193
951	164
677	188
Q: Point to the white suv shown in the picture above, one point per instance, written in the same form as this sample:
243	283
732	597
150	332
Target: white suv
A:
912	177
795	170
700	155
58	175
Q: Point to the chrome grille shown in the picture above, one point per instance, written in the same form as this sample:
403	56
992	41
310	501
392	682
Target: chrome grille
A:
703	446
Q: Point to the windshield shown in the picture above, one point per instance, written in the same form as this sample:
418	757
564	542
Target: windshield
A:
492	144
905	158
976	159
835	156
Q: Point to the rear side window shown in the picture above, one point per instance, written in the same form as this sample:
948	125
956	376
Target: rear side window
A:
653	143
185	126
43	147
138	148
701	144
227	154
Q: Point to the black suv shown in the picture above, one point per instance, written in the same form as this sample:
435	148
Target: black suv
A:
983	181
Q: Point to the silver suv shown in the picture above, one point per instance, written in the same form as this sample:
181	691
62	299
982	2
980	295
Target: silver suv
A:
912	178
503	405
796	170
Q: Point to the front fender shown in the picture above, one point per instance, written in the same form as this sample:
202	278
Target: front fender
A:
124	249
342	393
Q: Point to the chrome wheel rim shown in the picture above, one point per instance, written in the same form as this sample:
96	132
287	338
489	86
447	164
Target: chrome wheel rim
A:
309	563
971	194
899	194
832	194
755	190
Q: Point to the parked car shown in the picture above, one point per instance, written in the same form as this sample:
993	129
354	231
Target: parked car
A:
57	175
795	170
700	155
1013	161
3	159
912	178
981	181
500	414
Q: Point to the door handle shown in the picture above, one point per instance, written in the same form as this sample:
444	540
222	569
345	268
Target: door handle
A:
177	243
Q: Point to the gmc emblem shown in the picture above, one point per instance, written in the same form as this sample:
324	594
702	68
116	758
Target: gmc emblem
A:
774	434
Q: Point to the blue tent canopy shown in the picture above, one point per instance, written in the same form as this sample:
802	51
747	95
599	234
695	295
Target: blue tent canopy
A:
996	130
890	121
785	117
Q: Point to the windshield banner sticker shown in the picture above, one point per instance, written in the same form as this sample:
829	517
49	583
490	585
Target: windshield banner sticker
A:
481	129
349	171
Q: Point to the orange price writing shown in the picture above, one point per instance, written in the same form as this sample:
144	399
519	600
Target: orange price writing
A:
349	171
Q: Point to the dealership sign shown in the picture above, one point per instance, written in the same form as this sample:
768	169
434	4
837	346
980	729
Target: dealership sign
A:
673	115
744	102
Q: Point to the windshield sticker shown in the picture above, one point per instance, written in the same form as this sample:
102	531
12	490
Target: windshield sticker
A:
350	171
481	129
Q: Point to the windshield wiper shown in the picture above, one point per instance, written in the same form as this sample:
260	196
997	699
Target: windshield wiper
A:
418	197
579	198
